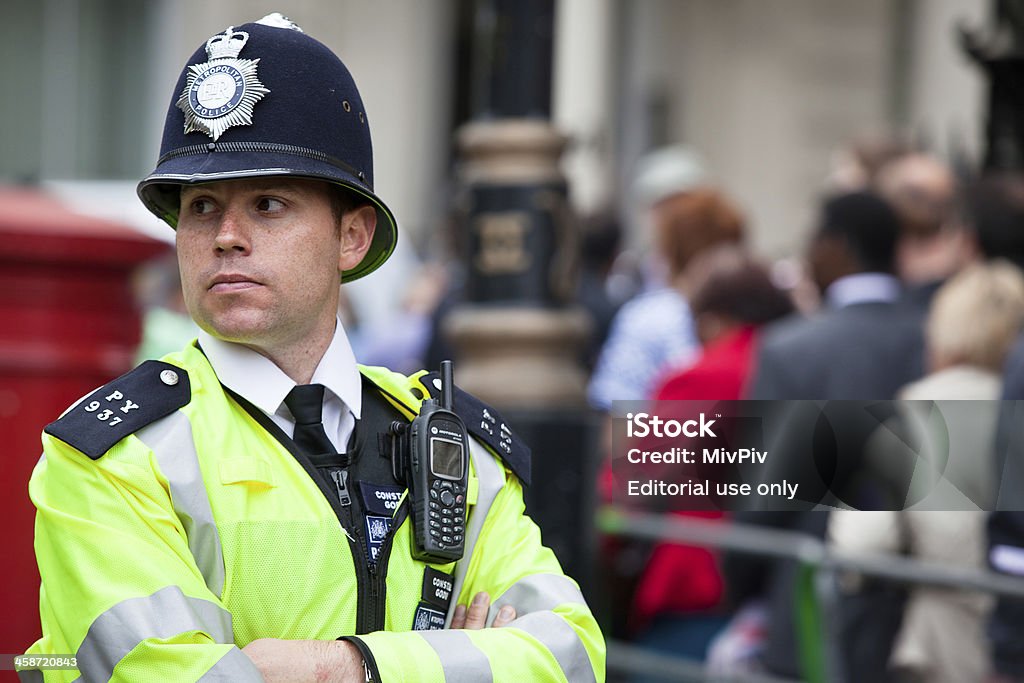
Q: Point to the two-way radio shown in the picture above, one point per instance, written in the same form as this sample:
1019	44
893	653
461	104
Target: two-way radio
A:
430	455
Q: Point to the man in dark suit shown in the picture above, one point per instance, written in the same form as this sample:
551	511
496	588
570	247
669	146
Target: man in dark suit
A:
865	343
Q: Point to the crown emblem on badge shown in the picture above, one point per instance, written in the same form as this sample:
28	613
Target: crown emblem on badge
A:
227	44
221	93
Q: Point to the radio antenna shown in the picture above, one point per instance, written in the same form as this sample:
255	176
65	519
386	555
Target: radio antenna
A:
446	384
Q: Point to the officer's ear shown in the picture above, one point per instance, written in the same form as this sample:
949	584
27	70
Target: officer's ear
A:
356	232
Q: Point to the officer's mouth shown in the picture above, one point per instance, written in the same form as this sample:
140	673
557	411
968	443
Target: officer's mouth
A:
232	282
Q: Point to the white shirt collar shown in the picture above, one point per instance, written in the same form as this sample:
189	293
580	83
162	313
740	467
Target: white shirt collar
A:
862	288
256	378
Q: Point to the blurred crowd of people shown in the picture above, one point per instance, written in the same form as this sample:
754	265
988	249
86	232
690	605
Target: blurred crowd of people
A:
912	289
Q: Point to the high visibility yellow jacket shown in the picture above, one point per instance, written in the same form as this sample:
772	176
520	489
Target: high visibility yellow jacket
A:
198	533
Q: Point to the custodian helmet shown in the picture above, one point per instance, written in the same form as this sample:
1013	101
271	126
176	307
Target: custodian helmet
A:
265	99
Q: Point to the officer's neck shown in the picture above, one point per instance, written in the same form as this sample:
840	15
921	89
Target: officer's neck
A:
300	357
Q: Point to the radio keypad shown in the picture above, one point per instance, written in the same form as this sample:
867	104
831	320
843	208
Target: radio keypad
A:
447	512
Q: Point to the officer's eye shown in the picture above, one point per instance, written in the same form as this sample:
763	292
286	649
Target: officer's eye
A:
269	204
202	206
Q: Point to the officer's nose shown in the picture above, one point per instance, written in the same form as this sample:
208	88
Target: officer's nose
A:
232	233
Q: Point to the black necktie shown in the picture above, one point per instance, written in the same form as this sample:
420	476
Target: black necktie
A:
306	401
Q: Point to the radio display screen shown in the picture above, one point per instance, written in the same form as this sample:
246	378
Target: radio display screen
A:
446	458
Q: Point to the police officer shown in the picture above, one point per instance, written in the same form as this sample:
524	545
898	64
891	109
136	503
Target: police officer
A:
233	511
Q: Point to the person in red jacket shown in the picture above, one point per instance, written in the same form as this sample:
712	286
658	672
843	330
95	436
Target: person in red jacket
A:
678	604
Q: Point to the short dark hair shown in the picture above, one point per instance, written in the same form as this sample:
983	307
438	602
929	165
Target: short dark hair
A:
344	200
868	225
994	208
739	287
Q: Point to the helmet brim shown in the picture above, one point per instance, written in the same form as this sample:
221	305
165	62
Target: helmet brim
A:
160	191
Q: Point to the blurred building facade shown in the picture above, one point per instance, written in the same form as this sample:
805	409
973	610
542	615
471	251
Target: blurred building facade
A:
766	91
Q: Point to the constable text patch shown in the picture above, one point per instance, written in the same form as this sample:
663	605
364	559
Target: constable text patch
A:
437	588
380	499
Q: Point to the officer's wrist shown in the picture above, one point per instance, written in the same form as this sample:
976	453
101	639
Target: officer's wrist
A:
344	664
368	666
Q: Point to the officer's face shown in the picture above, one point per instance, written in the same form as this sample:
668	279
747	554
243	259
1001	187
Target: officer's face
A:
260	259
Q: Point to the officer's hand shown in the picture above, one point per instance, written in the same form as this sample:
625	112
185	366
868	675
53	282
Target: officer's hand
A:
476	616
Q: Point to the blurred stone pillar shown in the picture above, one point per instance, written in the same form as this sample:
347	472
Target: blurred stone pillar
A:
517	336
518	341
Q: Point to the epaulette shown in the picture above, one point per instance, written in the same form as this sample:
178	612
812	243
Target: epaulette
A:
487	425
127	404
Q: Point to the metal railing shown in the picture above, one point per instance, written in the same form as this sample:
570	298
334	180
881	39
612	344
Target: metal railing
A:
640	660
825	561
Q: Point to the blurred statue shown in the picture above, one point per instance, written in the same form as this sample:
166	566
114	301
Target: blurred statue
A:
1000	52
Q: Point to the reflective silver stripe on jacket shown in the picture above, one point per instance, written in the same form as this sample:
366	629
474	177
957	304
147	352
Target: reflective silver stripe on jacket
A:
234	666
460	658
163	614
30	676
170	439
537	593
491	480
561	639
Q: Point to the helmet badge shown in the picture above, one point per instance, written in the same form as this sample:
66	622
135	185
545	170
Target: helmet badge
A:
220	93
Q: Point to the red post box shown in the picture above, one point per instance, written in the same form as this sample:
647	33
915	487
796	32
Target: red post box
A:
68	323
